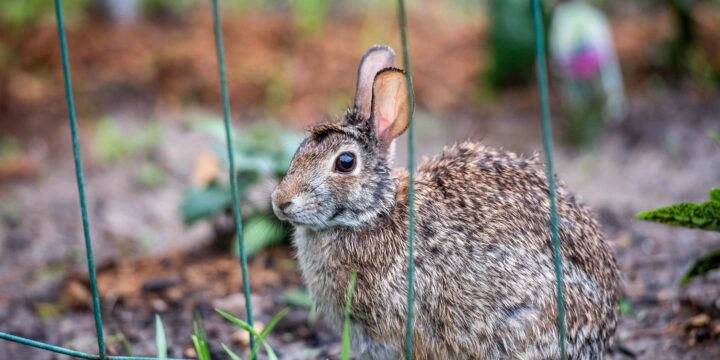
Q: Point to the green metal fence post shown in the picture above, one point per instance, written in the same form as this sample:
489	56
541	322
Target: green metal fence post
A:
79	177
550	172
402	20
231	160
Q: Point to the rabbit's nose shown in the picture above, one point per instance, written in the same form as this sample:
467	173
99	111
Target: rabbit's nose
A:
284	205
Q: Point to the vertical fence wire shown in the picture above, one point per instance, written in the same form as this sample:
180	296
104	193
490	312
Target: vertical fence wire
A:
231	161
79	177
402	21
548	149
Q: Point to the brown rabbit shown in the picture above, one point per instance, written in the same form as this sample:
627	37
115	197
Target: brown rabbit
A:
485	284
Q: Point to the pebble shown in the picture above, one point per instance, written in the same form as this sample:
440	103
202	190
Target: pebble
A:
242	337
701	320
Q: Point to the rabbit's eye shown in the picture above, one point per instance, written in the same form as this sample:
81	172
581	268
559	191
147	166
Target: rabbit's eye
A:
345	162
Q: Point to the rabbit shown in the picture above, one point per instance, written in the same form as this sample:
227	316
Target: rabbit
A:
484	272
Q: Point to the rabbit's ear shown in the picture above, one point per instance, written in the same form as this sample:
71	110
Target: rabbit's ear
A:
390	105
375	59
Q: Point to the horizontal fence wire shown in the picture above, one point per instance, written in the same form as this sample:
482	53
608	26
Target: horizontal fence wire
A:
402	22
68	352
220	52
550	172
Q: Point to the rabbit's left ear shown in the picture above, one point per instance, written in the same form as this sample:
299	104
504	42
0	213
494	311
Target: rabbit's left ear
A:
390	105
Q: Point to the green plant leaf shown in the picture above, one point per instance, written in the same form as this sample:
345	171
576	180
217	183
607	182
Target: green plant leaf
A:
625	307
298	298
715	136
704	216
260	232
238	322
200	203
715	194
345	353
160	339
270	353
266	331
232	355
702	266
273	322
199	339
150	175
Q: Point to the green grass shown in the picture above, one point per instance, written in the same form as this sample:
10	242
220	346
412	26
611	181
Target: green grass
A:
160	339
150	175
260	337
345	353
199	339
112	145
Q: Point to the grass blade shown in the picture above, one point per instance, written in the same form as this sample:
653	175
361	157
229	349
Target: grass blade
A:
345	354
199	339
271	324
232	355
160	340
238	322
270	353
266	331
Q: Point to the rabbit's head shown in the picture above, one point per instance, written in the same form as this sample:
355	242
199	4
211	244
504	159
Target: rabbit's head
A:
340	174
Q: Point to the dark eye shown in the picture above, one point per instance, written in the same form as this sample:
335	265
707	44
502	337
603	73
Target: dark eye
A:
345	162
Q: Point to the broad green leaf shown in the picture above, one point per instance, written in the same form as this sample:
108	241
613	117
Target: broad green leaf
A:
704	216
201	203
702	266
345	353
160	340
232	355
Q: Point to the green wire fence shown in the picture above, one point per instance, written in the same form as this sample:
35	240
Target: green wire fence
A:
402	21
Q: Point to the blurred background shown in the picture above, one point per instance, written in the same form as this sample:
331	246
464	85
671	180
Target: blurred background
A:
636	108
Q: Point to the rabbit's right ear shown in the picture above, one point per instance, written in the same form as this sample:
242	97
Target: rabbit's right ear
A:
390	105
375	59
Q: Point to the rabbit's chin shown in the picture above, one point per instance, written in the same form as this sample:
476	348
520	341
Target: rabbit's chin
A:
319	222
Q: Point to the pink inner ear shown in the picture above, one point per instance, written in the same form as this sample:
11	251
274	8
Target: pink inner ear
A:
386	111
383	124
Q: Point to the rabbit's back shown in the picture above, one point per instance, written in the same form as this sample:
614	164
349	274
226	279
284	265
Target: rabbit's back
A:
484	275
486	281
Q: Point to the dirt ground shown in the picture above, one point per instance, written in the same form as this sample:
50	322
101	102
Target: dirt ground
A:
149	262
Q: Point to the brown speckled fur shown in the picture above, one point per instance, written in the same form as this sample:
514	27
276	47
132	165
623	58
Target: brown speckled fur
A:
484	278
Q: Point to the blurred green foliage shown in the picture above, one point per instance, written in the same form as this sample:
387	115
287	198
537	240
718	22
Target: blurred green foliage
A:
309	16
150	175
511	42
167	7
262	151
112	145
23	13
9	147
